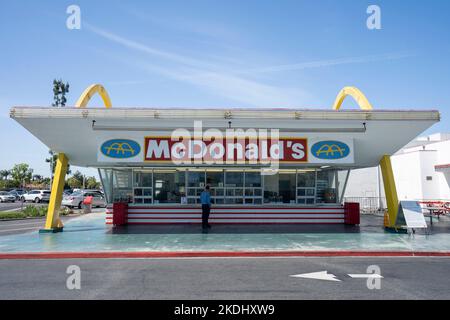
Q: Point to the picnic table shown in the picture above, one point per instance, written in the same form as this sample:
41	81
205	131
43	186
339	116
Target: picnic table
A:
436	208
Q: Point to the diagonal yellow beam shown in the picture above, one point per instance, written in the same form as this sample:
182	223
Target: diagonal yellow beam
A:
89	92
389	189
53	222
356	94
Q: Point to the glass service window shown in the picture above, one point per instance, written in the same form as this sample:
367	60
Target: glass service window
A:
168	186
280	187
195	185
215	180
253	187
122	186
306	186
326	186
143	187
234	183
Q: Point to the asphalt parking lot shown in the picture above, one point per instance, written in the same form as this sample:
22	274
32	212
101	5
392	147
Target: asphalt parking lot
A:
11	206
226	278
17	226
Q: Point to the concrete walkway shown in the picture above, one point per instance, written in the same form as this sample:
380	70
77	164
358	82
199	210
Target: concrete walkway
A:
88	233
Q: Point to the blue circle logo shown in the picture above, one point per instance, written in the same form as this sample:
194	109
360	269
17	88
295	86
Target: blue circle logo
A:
330	150
120	148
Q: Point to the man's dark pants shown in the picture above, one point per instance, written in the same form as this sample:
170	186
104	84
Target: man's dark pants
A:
205	214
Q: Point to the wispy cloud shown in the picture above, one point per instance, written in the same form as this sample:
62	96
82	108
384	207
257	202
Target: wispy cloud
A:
124	82
207	75
202	28
244	90
328	63
235	84
146	49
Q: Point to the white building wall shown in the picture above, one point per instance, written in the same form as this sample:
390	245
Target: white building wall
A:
407	175
443	158
363	183
444	185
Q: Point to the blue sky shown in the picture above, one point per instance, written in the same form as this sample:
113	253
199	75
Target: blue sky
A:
245	53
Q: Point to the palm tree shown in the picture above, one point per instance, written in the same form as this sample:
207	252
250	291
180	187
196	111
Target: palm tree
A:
37	178
4	174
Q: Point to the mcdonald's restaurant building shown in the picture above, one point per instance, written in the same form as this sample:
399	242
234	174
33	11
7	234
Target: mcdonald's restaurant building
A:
262	165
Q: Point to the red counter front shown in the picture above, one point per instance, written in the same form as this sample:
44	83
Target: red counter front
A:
119	214
351	210
186	214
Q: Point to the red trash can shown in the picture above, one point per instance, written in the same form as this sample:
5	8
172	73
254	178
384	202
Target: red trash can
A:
351	213
120	213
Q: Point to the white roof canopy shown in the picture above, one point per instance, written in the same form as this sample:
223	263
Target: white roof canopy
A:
75	131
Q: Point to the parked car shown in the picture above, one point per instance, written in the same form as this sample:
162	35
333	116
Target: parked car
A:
19	191
16	194
6	197
67	192
37	196
76	199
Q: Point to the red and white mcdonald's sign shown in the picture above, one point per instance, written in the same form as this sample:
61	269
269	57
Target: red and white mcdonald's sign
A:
226	150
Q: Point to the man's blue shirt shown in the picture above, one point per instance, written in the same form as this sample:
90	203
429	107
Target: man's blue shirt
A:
205	198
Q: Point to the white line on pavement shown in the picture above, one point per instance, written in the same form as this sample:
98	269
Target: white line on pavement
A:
18	229
6	224
373	275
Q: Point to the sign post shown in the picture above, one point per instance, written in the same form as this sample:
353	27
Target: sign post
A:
410	213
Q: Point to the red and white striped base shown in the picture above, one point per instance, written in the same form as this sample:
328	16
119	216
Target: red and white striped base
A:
232	214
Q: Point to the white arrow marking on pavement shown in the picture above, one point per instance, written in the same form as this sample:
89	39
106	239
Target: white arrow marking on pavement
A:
320	275
365	275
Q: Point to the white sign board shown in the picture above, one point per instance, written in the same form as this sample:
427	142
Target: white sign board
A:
413	214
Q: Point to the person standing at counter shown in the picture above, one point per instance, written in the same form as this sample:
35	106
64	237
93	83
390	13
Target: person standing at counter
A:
205	199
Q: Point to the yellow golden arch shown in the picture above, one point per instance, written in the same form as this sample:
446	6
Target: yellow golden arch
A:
89	92
356	94
53	222
385	161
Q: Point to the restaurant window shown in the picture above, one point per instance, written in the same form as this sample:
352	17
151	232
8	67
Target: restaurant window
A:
122	189
306	186
195	185
253	187
143	187
280	188
234	187
168	185
215	180
326	186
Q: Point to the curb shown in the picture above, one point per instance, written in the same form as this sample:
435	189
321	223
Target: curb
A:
38	218
216	254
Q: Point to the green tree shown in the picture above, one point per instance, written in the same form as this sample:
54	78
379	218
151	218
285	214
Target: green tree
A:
59	93
21	173
74	183
76	180
59	100
92	183
5	184
4	174
37	178
52	161
46	181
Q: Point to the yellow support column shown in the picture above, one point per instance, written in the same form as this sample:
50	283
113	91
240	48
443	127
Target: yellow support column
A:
53	222
390	190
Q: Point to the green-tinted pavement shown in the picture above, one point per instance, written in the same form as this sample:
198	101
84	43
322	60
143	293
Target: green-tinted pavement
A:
89	233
